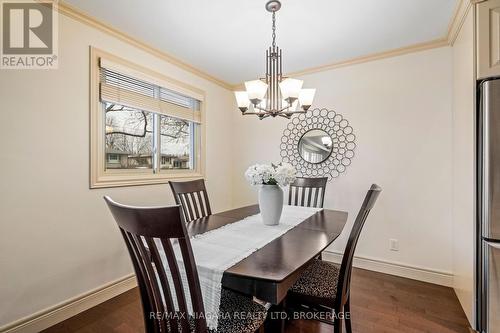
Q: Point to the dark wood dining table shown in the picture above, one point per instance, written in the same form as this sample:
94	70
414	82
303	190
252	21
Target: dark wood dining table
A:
269	272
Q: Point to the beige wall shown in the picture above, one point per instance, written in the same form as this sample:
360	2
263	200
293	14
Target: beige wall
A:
400	109
463	166
57	238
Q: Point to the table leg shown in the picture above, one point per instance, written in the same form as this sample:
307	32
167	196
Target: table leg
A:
276	318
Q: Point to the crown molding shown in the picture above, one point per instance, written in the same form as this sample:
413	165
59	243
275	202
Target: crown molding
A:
374	56
454	27
458	20
366	58
85	18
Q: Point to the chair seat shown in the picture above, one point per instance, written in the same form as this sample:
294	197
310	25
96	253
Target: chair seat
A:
319	281
239	314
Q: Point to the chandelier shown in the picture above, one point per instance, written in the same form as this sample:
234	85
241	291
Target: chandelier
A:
274	95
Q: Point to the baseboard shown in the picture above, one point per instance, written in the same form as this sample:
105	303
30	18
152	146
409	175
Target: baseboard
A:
62	311
398	269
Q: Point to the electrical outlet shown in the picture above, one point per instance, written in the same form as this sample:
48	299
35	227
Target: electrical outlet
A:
394	244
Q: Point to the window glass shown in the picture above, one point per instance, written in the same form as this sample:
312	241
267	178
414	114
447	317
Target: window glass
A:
176	143
129	138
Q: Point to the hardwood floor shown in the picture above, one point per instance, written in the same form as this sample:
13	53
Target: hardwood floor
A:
380	303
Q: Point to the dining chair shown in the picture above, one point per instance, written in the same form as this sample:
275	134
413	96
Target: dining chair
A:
325	286
161	231
193	198
307	186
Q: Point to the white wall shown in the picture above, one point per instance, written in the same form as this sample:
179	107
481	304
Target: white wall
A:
400	109
57	238
463	166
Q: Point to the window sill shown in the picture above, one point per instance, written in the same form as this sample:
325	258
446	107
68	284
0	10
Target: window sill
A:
120	180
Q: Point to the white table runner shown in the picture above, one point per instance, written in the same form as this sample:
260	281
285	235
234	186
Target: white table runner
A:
219	249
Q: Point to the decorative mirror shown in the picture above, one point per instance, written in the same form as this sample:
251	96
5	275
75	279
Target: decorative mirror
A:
315	146
319	143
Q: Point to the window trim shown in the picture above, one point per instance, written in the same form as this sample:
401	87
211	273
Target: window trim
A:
102	178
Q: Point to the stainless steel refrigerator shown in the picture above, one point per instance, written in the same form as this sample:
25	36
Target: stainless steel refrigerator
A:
488	206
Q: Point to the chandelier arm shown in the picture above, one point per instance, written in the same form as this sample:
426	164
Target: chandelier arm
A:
293	112
261	109
284	108
290	112
251	113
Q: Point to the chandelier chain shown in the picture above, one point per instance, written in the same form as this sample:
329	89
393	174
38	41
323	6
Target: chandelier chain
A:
274	30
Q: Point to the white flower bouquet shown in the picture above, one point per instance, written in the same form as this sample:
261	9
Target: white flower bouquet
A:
282	174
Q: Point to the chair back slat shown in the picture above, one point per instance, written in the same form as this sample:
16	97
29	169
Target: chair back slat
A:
207	203
202	205
169	306
195	205
186	193
344	281
189	207
179	199
296	203
152	281
177	280
306	186
193	280
143	283
302	198
149	233
316	190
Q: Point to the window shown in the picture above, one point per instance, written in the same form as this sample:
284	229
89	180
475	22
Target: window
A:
144	128
112	158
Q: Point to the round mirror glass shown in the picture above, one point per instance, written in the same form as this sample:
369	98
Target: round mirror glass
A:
315	146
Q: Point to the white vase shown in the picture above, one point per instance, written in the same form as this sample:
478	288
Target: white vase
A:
270	204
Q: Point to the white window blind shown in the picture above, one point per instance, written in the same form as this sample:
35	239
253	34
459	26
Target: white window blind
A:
123	89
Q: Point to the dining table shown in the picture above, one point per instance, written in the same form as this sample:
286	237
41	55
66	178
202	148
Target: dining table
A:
268	273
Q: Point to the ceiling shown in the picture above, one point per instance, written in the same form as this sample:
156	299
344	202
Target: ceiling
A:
228	38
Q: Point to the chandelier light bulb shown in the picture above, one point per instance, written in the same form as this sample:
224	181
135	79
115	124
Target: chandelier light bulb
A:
290	89
306	97
256	91
242	100
261	106
288	106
